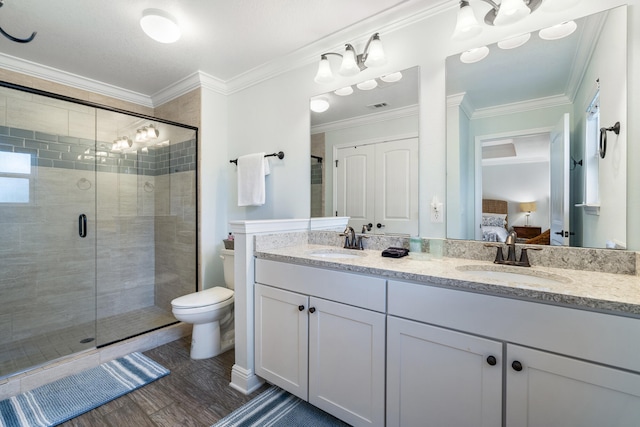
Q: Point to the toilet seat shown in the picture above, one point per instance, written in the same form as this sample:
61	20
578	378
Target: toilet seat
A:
204	298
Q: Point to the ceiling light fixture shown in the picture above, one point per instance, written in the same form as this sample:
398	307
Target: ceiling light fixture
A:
392	78
367	84
319	105
345	91
160	26
352	62
505	13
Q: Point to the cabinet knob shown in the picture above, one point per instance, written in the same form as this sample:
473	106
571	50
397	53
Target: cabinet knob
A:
312	309
517	366
491	360
301	307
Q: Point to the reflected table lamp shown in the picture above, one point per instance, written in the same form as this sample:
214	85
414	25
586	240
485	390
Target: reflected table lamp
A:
527	207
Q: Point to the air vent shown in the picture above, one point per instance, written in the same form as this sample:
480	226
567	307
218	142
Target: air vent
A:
376	106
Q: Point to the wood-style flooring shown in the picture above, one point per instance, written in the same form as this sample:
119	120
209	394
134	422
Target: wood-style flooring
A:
195	393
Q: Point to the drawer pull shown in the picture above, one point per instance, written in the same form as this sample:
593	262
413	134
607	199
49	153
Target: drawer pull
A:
301	307
312	310
491	360
517	366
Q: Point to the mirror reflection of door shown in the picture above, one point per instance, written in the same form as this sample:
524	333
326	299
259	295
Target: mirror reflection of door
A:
560	228
377	184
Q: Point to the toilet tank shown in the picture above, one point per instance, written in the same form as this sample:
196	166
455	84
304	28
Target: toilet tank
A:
227	265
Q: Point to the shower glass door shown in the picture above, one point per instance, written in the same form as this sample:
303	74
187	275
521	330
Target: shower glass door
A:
146	223
98	219
47	218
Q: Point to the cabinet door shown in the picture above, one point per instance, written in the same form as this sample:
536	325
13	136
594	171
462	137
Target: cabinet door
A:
438	377
281	334
346	362
553	390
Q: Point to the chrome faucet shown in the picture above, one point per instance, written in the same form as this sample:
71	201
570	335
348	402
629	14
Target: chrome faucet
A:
510	241
351	241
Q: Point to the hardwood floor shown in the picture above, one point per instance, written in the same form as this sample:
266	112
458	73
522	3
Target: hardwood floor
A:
196	393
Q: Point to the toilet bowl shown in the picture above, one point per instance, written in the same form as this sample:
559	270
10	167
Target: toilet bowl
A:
207	310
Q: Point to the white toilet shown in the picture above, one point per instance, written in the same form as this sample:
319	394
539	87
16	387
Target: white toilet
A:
209	311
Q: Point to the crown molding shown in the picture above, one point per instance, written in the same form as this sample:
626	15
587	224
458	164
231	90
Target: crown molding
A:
368	119
51	74
520	107
387	22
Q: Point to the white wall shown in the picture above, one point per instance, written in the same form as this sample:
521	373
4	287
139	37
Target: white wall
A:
273	115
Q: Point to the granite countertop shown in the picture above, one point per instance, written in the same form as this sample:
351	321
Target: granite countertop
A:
610	293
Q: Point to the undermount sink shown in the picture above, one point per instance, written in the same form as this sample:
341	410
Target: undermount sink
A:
336	254
518	275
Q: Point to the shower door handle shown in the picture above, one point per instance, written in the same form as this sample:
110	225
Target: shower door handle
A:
82	225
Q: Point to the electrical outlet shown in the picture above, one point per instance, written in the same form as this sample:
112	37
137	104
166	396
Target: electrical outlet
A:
436	212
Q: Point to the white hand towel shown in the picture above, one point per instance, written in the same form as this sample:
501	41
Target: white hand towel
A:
251	185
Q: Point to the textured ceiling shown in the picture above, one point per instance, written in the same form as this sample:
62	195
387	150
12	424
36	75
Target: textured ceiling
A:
102	40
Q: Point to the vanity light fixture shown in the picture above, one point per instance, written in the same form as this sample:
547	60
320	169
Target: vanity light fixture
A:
505	13
319	104
474	55
392	78
558	31
367	84
160	26
345	91
352	62
514	42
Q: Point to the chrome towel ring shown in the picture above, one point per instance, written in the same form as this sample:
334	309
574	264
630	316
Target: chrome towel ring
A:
603	138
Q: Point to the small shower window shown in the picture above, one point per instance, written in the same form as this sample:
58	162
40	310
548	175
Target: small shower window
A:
15	177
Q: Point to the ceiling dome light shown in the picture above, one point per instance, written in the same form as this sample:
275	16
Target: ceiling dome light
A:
345	91
319	105
160	26
391	78
514	42
558	31
367	84
474	55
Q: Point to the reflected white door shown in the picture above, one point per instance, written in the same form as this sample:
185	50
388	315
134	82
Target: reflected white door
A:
559	170
378	184
355	184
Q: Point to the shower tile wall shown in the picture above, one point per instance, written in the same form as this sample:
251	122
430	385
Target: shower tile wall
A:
146	238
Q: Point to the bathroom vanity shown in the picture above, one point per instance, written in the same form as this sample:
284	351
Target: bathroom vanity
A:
447	341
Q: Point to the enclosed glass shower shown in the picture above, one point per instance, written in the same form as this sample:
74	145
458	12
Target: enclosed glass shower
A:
98	217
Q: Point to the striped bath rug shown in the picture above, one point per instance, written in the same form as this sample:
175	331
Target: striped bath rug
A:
276	407
66	398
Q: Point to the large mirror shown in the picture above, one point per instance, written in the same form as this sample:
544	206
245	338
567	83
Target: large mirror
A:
523	138
364	154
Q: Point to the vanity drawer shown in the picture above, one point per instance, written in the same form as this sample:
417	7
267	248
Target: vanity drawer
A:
354	289
603	338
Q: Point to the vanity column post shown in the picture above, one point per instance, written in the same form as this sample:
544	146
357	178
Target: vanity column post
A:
243	377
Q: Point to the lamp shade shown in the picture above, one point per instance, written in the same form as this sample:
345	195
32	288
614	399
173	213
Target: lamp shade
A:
511	11
528	207
376	56
160	26
324	74
467	25
349	65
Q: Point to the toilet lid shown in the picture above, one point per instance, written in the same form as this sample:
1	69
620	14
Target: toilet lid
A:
200	299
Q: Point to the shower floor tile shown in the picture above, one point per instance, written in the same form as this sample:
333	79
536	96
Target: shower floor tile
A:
18	356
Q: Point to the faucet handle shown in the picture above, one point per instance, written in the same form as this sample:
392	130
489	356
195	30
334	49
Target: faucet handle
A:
524	257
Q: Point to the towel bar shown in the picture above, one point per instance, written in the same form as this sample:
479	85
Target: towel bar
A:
279	155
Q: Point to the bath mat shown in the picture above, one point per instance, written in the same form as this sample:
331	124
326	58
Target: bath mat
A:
66	398
276	407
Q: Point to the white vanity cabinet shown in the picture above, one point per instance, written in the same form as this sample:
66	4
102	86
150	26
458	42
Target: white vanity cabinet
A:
326	327
556	366
439	377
